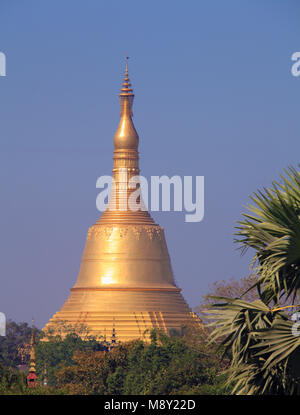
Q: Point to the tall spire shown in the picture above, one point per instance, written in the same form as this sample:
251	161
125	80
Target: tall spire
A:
126	163
32	377
32	351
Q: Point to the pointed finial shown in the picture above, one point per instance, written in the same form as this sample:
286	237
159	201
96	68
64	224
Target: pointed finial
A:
126	68
126	136
32	331
126	90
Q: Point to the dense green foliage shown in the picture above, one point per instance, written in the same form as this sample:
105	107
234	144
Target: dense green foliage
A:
58	352
168	365
11	381
17	335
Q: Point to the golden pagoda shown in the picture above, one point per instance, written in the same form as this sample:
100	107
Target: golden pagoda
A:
125	283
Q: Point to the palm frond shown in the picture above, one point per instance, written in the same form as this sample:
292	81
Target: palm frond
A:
273	231
261	346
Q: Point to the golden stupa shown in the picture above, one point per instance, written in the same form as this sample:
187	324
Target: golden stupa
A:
125	283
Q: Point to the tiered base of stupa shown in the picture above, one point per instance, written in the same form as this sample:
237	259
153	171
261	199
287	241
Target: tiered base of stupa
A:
133	313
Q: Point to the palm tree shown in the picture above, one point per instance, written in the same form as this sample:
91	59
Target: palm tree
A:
263	341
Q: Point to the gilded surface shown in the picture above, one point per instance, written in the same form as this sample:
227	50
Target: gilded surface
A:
125	279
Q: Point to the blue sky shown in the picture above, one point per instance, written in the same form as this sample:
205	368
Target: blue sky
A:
214	96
